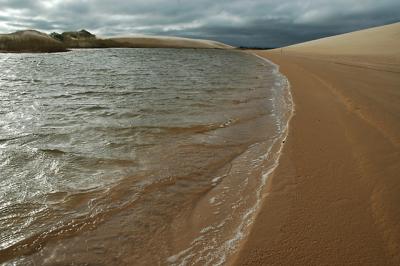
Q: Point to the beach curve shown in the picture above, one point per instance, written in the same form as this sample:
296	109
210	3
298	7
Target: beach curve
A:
331	200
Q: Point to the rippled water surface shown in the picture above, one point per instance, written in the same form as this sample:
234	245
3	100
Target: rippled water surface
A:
134	156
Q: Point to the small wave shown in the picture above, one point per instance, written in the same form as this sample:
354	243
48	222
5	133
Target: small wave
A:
94	108
14	138
166	129
53	151
89	92
62	96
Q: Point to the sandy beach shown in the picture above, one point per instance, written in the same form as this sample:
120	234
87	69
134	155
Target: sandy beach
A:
334	199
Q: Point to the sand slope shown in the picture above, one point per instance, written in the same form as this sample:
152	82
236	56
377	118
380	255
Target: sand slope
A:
334	199
35	41
167	42
29	41
383	40
145	42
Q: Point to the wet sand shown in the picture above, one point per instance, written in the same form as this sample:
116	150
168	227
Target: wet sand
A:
334	198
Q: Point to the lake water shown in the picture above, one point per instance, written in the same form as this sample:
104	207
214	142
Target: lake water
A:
135	156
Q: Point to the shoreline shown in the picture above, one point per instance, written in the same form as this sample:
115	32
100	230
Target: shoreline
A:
327	203
265	177
270	173
231	245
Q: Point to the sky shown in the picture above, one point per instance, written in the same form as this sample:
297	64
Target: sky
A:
261	23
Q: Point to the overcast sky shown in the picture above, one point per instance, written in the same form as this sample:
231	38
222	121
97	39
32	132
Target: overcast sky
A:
267	23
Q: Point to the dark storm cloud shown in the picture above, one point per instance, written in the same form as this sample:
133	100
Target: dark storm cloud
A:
249	23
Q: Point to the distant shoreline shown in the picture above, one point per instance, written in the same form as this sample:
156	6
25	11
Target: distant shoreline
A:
32	41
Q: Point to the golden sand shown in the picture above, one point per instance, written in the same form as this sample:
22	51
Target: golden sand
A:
334	199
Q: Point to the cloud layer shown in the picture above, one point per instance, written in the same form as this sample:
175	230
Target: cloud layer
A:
266	23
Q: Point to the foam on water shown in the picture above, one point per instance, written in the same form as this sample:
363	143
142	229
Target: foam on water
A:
219	253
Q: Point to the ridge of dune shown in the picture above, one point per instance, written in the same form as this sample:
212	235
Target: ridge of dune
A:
383	41
30	41
35	41
167	42
375	48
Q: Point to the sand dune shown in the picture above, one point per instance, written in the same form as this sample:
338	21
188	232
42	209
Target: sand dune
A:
145	42
35	41
383	40
167	42
374	48
29	41
334	199
85	39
